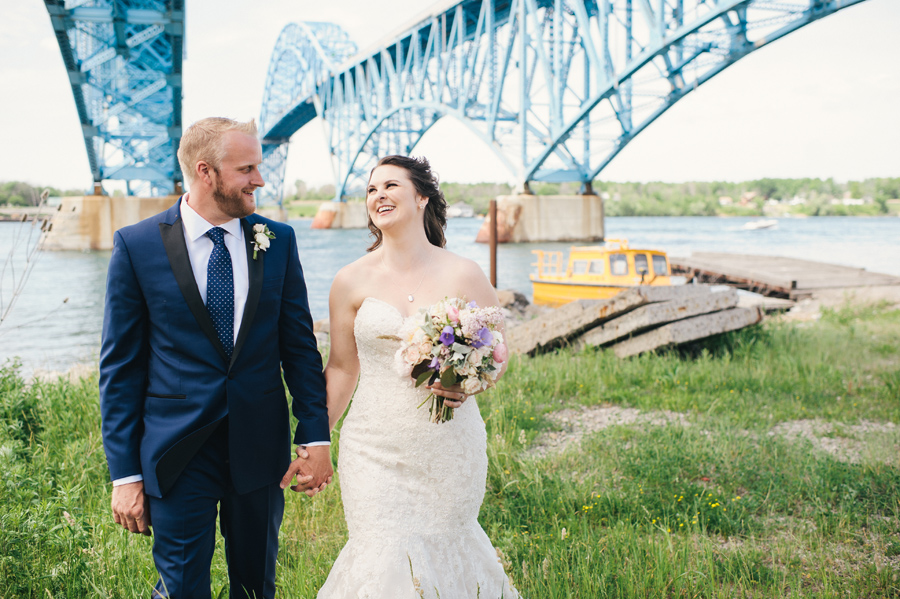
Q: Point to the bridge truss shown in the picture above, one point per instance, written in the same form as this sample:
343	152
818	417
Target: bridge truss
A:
124	61
556	88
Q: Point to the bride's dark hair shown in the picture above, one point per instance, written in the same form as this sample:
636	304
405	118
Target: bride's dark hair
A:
426	184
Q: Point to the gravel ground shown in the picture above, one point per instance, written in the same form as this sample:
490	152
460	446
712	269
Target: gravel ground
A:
854	443
576	423
867	441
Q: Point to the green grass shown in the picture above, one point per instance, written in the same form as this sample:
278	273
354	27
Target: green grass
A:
301	209
717	508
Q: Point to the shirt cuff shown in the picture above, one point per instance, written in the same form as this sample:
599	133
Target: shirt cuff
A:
128	479
315	443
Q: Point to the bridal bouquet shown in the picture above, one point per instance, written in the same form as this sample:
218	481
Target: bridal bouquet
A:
454	342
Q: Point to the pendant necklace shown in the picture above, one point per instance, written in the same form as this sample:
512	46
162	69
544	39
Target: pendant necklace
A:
411	297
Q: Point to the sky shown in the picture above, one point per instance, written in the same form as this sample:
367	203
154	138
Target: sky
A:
821	102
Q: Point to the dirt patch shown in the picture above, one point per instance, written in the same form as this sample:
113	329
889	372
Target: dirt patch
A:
853	443
810	309
576	423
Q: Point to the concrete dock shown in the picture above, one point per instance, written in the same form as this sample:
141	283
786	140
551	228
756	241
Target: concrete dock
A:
775	276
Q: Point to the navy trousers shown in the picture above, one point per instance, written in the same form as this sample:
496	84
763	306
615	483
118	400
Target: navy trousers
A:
184	529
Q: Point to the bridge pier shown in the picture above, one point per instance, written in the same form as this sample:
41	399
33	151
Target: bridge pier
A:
88	222
528	218
341	215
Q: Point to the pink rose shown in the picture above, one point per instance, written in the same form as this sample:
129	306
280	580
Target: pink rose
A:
412	355
501	353
453	314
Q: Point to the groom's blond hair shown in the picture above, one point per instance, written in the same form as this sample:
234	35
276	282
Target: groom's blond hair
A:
203	141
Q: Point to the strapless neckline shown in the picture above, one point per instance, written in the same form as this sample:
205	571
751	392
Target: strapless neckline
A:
389	305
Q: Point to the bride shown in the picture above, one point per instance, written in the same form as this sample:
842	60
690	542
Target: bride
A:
411	489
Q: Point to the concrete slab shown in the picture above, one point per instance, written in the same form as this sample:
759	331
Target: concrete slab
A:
689	329
561	325
652	315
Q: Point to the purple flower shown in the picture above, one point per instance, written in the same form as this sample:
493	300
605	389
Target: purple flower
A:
472	304
447	337
484	337
434	364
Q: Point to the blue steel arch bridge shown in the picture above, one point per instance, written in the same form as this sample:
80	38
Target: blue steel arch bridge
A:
555	88
123	59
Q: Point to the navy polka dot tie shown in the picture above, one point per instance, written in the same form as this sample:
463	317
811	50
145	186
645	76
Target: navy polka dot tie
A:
220	290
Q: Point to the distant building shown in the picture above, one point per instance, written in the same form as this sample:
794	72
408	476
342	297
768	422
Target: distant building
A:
725	201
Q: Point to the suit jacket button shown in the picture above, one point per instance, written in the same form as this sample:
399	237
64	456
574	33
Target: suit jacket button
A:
230	376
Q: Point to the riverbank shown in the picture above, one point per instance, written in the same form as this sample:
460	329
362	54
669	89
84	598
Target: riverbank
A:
18	214
762	463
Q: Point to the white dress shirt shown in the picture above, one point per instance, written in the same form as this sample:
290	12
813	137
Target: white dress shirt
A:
199	248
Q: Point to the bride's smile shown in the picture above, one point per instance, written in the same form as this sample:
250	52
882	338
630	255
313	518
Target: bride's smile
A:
391	198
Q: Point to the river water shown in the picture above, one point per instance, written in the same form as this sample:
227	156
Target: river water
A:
57	319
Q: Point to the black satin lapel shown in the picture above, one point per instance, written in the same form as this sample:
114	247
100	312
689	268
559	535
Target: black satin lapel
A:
176	250
172	463
255	271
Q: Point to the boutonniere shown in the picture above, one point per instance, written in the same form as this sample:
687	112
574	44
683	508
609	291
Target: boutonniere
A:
261	237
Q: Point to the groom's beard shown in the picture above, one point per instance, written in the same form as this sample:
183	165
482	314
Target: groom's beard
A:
232	202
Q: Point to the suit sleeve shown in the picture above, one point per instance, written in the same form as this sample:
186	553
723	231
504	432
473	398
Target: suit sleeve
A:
123	364
300	357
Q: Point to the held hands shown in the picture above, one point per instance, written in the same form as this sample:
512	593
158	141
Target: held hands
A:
312	468
131	508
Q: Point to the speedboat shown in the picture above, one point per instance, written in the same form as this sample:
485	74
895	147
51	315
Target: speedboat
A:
760	224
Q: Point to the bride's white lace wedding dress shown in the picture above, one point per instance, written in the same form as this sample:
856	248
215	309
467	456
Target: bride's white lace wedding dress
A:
411	489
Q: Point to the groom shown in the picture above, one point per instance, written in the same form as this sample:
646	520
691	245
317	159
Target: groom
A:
206	307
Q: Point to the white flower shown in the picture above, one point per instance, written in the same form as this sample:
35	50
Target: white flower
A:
261	237
471	385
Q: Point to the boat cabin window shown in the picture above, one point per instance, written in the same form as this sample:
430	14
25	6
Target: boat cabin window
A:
659	266
579	267
597	267
618	264
640	264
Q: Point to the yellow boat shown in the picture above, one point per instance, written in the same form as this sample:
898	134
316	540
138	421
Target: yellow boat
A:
596	272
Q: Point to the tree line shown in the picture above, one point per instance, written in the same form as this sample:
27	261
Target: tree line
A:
695	198
19	193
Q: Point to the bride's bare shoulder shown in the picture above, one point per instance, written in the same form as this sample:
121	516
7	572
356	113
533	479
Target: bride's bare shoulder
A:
460	265
353	276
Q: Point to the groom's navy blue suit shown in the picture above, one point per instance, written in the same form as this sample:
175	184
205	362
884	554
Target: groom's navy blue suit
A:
178	412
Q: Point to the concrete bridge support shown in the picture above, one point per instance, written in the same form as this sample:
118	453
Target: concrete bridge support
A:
88	222
526	218
341	215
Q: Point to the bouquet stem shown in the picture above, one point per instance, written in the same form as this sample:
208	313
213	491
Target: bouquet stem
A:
438	411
